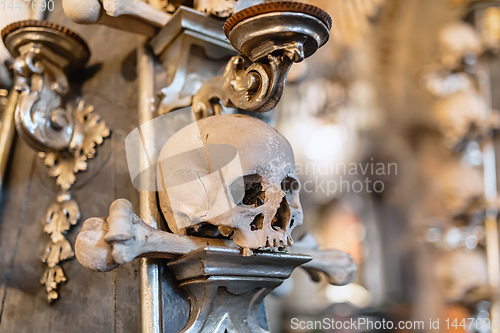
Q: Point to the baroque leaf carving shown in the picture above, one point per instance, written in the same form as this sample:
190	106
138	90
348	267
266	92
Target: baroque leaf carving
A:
64	168
57	252
60	216
51	278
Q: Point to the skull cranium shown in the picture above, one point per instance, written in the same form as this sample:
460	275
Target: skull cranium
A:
231	175
458	40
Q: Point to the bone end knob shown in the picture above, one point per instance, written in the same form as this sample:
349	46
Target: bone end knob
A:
120	221
92	251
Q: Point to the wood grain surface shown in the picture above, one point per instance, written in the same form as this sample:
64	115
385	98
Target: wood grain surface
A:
89	302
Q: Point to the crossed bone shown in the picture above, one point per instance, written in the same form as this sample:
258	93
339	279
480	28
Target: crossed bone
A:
105	243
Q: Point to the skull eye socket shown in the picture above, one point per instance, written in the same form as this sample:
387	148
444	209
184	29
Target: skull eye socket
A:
248	191
290	185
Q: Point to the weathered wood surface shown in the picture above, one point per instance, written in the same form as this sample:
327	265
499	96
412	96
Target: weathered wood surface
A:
89	301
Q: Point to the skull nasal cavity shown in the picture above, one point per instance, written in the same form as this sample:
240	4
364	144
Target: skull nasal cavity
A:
257	223
282	216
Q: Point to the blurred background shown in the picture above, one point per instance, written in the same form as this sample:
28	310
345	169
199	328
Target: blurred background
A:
396	118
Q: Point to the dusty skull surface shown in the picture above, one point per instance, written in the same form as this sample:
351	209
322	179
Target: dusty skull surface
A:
230	176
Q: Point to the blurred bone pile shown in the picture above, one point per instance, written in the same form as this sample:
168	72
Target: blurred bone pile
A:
460	81
351	19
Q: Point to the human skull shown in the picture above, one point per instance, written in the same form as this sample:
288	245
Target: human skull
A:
457	41
234	175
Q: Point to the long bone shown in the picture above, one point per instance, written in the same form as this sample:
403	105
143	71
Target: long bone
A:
136	8
105	243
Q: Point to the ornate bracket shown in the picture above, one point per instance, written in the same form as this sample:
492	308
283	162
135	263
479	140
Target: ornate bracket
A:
184	38
43	52
65	136
226	289
254	80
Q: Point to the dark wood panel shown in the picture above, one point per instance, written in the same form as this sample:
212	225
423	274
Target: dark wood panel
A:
89	302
